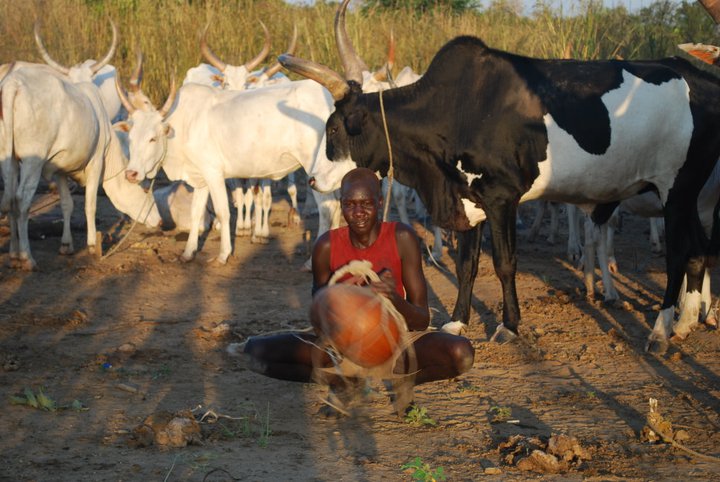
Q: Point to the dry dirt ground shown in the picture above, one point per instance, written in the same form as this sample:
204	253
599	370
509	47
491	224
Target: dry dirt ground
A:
127	355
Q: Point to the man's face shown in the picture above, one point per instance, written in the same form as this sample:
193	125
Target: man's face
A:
360	206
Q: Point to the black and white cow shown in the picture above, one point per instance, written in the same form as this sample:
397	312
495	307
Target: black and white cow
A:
484	130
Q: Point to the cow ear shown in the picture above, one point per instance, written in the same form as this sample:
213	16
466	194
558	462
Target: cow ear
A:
354	122
121	126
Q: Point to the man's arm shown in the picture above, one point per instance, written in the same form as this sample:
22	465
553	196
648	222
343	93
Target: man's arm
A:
415	305
321	262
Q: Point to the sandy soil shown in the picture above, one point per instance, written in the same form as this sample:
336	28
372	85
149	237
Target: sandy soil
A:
126	344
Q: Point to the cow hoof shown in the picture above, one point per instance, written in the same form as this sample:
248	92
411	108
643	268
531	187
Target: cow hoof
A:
657	347
185	258
221	260
711	322
259	240
243	233
678	337
503	335
26	265
454	328
66	249
307	266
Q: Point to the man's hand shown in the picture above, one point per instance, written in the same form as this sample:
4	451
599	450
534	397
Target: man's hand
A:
386	285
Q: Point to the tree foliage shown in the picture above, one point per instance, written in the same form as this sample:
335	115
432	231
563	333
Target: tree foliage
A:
421	6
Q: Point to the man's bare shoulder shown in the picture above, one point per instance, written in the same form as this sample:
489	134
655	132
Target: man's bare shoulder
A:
406	237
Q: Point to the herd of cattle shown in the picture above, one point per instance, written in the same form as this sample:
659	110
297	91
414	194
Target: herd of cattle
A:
480	132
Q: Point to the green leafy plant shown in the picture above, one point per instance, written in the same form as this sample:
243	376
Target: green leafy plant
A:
466	386
42	401
418	416
422	471
501	414
265	429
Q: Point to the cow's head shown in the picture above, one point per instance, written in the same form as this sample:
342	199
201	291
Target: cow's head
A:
147	128
351	129
83	72
234	77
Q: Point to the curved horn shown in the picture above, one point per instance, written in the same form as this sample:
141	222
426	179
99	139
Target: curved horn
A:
208	54
321	74
383	72
44	53
123	97
136	78
263	53
113	46
170	100
352	63
275	67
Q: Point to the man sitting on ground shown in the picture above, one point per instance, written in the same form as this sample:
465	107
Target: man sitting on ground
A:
394	251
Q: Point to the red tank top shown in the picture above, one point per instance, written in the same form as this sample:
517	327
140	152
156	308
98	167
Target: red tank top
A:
383	253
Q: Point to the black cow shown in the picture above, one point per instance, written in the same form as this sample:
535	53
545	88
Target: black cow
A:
484	130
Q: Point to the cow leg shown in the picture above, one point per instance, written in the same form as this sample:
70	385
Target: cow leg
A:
93	173
604	246
66	205
437	243
554	223
502	229
540	206
692	303
399	195
267	206
588	256
328	206
466	267
244	200
293	216
655	244
675	261
197	209
218	194
29	179
574	247
609	237
707	314
263	203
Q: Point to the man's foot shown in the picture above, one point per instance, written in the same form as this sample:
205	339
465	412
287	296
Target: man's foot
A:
402	395
340	398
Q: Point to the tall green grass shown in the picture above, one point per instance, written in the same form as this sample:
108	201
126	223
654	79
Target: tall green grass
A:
167	32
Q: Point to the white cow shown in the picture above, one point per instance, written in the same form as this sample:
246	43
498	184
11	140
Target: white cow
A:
56	128
218	135
245	193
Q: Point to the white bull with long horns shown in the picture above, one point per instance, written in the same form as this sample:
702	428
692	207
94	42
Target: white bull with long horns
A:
208	136
55	127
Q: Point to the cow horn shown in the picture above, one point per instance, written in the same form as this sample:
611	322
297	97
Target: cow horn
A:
352	63
113	46
123	97
208	54
325	76
44	53
263	53
136	78
383	72
170	100
275	67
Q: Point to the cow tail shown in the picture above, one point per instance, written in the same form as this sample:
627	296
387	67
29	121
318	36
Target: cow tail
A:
8	91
